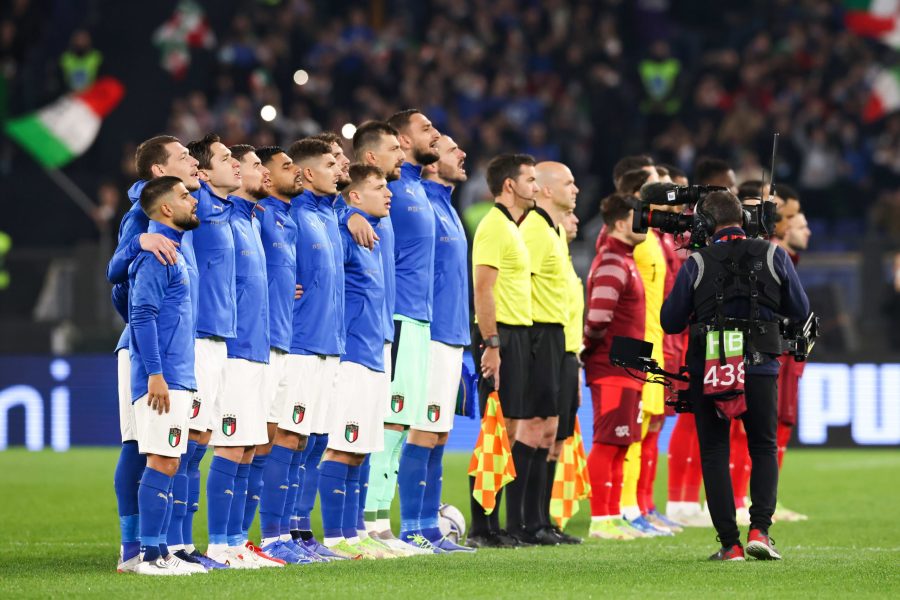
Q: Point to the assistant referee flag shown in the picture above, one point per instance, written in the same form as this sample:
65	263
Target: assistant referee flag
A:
491	463
571	482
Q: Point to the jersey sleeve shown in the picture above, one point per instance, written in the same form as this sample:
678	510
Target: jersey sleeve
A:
606	284
128	248
487	247
147	292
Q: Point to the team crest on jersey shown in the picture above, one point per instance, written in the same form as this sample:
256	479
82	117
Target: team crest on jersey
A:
434	412
229	425
299	413
195	406
623	431
174	436
396	403
351	432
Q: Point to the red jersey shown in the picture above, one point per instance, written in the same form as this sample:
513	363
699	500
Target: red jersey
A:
674	345
615	300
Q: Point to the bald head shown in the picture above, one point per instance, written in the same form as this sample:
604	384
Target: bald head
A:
558	191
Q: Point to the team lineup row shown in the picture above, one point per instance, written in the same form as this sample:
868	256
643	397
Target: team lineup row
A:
299	314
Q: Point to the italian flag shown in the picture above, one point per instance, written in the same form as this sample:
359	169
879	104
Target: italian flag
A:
64	130
878	19
885	95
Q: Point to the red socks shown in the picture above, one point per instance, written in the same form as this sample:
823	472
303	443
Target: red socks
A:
685	473
605	468
649	458
784	436
740	463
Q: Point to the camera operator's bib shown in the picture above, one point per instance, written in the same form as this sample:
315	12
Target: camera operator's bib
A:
723	372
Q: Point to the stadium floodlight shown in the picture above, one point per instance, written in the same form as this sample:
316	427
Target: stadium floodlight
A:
301	77
268	113
348	130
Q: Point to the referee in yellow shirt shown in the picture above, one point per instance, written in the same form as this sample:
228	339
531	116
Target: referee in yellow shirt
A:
500	341
536	433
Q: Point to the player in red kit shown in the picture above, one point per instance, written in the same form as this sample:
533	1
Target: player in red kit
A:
616	307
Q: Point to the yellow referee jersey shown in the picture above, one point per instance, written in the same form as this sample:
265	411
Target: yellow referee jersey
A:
549	276
498	243
651	264
575	325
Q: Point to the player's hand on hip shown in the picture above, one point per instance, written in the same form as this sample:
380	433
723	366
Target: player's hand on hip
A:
158	393
298	292
164	249
362	231
490	365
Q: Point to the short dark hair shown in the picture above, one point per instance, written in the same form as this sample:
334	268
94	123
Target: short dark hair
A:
359	172
239	151
152	152
661	170
503	167
724	208
630	163
787	192
202	150
400	120
615	207
329	137
632	181
308	148
707	168
155	190
265	153
370	133
674	172
750	189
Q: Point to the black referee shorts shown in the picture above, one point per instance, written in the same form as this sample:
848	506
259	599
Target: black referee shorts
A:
548	346
515	359
568	396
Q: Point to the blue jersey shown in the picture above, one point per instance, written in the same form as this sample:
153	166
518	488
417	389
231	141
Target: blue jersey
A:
214	247
161	320
413	220
385	231
327	208
450	323
279	239
364	285
251	285
133	224
318	318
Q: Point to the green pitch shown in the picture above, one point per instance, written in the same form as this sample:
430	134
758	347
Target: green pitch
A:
60	539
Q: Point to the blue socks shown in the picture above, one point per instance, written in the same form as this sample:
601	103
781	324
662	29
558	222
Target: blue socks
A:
431	503
293	491
175	535
219	494
195	452
129	471
254	489
364	470
351	504
411	480
167	519
274	491
306	499
333	492
236	515
153	500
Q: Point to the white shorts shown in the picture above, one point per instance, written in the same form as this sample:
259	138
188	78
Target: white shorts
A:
163	434
357	412
126	409
210	357
275	384
445	371
240	411
311	382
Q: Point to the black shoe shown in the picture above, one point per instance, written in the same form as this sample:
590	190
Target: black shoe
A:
526	538
184	556
565	538
546	537
513	539
488	540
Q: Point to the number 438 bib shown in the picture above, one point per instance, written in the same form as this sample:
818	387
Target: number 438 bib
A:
724	379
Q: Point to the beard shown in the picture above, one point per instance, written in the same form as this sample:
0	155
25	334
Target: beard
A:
342	183
187	223
290	191
427	156
259	193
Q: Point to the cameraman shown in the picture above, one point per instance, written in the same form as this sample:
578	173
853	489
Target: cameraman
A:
746	284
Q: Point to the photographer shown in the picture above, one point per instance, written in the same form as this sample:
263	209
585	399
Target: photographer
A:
740	284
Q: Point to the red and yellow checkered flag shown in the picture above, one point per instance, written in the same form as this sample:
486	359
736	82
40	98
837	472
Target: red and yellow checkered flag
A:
571	482
491	463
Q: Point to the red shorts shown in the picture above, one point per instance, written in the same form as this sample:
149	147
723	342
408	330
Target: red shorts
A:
617	411
788	389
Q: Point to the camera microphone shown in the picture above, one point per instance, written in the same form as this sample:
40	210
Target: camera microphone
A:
659	193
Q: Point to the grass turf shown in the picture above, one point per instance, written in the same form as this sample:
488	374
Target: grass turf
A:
60	538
